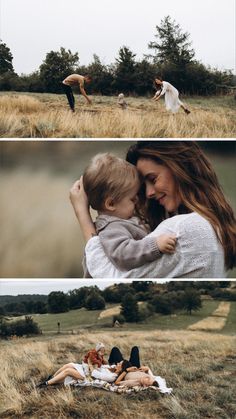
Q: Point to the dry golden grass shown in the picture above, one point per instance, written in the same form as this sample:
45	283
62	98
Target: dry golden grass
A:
109	312
40	228
46	116
222	310
216	321
197	365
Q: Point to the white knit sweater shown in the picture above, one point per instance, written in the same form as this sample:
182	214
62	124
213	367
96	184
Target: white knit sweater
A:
198	253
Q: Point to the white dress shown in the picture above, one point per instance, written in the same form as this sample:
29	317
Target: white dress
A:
198	253
172	101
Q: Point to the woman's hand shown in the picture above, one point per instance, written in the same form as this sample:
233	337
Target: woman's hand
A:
78	197
79	201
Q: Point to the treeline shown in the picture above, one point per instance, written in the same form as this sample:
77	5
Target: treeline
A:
92	298
138	300
172	59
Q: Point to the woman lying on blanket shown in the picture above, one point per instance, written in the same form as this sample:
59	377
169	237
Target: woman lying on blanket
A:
95	365
93	360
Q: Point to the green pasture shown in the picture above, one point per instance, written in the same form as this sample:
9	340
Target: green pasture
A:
69	321
82	318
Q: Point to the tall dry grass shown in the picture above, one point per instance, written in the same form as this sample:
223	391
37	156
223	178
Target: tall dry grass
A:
40	236
198	366
216	321
46	116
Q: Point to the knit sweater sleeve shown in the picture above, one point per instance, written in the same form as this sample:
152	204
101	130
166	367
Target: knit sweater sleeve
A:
123	250
198	253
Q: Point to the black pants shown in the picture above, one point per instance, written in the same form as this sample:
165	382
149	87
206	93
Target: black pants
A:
69	95
116	356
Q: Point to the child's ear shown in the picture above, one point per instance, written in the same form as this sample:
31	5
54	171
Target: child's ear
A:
109	204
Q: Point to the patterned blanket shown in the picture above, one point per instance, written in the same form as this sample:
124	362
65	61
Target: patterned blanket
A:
88	382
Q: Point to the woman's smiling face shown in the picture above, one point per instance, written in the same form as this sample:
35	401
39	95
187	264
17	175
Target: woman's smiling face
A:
160	184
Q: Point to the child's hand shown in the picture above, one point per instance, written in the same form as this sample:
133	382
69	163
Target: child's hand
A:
78	196
166	243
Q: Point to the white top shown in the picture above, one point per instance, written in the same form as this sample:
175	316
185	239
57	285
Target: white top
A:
198	253
172	101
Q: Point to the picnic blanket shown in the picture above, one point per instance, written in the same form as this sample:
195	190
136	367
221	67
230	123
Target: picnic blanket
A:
88	382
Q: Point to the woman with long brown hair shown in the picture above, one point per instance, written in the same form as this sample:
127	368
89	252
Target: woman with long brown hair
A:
180	195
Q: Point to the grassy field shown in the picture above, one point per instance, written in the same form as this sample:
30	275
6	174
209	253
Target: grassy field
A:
76	320
198	366
40	236
29	115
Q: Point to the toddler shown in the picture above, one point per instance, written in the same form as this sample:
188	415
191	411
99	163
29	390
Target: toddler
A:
111	185
121	101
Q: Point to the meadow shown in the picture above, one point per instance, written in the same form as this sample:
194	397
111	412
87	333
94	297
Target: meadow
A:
199	366
40	236
41	115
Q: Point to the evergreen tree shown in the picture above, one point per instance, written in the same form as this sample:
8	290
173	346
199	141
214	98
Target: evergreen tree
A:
125	71
101	75
56	66
129	308
191	300
172	45
6	58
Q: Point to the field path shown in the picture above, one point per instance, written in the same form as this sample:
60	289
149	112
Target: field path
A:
109	312
216	321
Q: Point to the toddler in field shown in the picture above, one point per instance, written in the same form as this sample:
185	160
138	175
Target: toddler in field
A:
111	185
121	101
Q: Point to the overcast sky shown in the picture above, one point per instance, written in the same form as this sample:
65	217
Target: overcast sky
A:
45	286
31	28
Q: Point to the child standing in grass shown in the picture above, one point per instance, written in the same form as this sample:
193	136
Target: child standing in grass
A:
111	185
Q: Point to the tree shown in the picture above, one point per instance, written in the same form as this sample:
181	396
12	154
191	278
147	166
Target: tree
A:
125	71
129	308
6	58
191	300
57	302
56	66
101	75
172	45
162	304
145	73
95	301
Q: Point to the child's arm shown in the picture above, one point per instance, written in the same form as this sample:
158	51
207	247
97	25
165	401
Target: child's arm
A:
80	204
126	253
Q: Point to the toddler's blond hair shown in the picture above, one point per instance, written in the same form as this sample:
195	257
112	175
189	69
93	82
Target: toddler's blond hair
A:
108	176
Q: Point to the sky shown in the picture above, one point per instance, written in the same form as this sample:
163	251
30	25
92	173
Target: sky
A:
31	28
45	286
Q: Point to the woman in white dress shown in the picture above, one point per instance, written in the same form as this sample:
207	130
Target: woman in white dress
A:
171	96
181	195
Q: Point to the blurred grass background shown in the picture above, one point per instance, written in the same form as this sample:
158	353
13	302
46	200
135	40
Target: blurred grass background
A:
40	236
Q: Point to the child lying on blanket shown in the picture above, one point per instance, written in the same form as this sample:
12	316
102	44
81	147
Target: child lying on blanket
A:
111	185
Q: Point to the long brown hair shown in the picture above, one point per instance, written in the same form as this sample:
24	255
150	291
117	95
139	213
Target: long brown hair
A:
197	186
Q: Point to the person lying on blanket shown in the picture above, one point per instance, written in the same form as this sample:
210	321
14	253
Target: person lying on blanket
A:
141	377
93	364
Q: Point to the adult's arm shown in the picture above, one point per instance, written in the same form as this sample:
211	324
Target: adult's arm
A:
84	94
121	377
80	204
